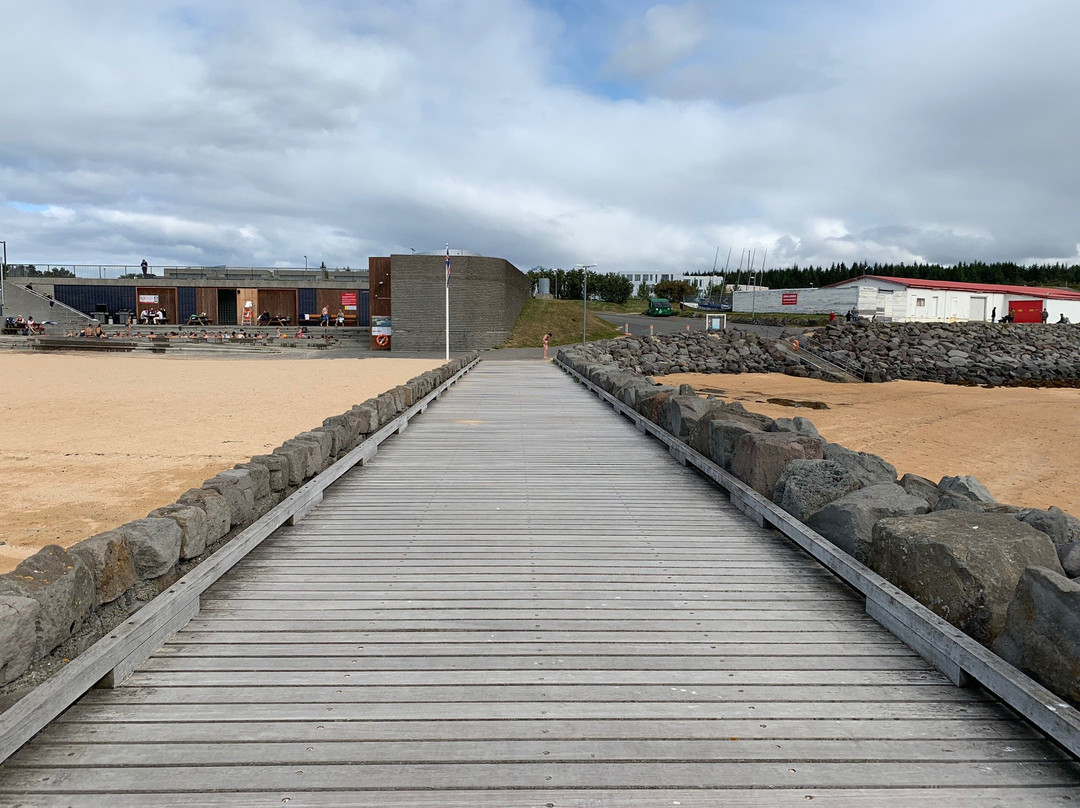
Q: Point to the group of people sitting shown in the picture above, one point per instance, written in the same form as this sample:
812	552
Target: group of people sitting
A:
151	317
24	325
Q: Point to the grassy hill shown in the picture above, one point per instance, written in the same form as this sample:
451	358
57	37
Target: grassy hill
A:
562	318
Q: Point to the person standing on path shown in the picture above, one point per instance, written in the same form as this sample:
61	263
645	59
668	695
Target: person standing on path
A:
547	341
325	321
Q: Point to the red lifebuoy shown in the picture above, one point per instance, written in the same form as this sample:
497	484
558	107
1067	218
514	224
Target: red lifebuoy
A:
382	340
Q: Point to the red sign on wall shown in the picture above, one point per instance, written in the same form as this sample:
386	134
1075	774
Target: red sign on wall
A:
348	299
789	299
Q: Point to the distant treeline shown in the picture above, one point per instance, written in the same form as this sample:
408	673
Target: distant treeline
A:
975	272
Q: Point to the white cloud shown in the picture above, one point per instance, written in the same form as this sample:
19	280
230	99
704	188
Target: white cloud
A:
254	133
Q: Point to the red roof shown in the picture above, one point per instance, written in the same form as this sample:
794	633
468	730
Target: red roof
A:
958	286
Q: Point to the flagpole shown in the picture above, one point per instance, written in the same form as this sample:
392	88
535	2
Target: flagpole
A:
448	302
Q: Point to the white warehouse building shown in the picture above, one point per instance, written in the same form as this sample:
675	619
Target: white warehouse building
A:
918	300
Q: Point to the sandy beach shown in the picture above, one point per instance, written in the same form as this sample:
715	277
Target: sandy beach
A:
90	442
1022	443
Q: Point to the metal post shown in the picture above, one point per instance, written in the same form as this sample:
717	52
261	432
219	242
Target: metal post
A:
305	263
3	274
584	298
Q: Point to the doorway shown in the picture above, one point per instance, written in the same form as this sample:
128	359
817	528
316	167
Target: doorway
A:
226	306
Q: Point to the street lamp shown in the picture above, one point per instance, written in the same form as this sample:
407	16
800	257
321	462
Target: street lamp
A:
584	297
305	263
3	272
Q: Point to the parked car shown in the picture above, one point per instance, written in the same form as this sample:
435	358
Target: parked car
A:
659	307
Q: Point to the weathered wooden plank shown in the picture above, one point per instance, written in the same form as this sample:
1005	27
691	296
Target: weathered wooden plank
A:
1000	729
442	711
505	751
344	692
733	666
713	774
779	797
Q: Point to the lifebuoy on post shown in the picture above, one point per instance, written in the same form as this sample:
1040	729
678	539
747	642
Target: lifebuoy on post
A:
382	340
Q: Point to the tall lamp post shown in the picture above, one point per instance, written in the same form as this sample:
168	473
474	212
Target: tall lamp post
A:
305	263
584	297
3	273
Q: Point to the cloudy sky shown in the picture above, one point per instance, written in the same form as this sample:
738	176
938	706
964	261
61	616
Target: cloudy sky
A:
622	133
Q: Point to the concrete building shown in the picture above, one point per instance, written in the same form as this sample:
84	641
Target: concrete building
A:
227	297
916	300
486	297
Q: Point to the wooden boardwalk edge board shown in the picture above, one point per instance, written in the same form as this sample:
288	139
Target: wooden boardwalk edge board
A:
114	656
940	643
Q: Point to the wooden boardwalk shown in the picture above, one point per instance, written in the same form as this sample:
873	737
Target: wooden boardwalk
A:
522	601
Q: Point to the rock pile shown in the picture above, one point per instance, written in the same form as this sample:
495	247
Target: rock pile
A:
699	352
57	602
1008	576
978	353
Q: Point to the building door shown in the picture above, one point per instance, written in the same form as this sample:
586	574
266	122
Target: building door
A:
226	307
1026	311
977	312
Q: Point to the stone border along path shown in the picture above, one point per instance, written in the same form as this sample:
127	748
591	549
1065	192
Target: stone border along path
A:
513	604
960	657
46	577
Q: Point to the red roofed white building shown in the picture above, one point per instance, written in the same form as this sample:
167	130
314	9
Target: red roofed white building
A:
916	300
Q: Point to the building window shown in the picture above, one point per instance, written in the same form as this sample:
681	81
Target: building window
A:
920	302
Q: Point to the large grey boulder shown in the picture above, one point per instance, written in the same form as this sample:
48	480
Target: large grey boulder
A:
1042	631
1069	556
108	558
761	457
296	458
701	431
63	588
325	442
310	455
966	486
922	488
17	619
868	468
848	522
277	469
680	413
799	425
258	476
1061	527
238	493
367	418
649	406
214	506
952	501
194	527
807	486
963	566
154	545
636	389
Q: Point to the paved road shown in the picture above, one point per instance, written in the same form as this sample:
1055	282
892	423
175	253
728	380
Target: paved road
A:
639	324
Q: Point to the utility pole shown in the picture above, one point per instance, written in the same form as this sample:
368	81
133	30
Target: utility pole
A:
584	297
3	274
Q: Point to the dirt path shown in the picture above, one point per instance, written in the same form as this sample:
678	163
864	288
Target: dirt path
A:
90	442
1023	444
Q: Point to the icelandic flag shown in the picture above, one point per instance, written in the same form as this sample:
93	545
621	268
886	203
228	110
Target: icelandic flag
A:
447	266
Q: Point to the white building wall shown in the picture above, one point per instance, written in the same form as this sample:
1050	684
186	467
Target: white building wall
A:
807	301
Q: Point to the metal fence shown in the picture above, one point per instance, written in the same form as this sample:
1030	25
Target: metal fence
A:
113	271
